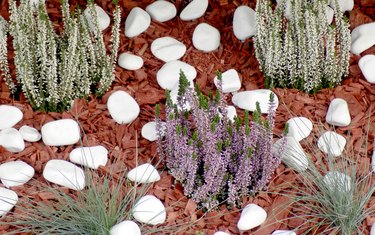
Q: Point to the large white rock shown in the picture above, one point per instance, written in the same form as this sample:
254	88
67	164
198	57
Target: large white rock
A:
372	229
127	227
344	5
293	154
338	113
149	210
362	38
8	199
130	61
244	22
161	10
251	216
122	107
331	143
231	113
92	157
145	173
137	22
367	66
149	131
15	173
221	233
283	232
206	37
373	161
167	49
230	81
10	116
329	14
64	173
194	10
30	134
247	100
61	132
299	128
174	97
169	74
103	18
338	181
11	139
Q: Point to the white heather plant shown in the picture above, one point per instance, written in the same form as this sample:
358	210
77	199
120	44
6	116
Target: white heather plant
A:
53	69
304	51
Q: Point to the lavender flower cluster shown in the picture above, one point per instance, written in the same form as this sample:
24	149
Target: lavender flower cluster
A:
215	159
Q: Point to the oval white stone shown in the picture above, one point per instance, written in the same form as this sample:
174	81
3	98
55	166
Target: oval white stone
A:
247	100
92	157
338	113
221	233
169	74
167	49
230	81
338	181
103	18
122	107
299	128
162	10
367	66
149	210
136	22
373	161
331	143
145	173
10	116
362	38
149	131
130	61
64	173
8	199
251	216
11	139
174	96
15	173
293	155
372	229
30	134
127	227
329	14
283	232
206	37
244	22
194	10
61	132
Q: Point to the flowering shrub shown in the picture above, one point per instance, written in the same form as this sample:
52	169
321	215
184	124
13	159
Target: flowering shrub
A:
53	69
304	51
216	160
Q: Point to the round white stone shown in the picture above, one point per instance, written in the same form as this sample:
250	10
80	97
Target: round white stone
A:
136	22
373	161
329	14
130	61
206	38
92	157
283	232
331	143
30	134
221	233
145	173
372	229
169	74
230	81
167	49
251	216
10	116
362	38
149	210
299	128
61	132
293	155
338	113
367	66
103	18
247	100
64	173
11	139
338	181
122	107
244	22
127	227
162	10
231	113
344	5
8	199
174	96
15	173
194	10
149	131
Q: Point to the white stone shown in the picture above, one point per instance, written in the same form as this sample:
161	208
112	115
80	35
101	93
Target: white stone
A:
92	157
194	10
149	210
10	116
338	181
145	173
11	139
130	61
293	154
230	81
15	173
362	38
61	132
344	5
329	14
137	21
30	134
174	96
122	107
221	233
283	232
162	10
103	18
149	131
299	128
206	37
247	100
372	229
64	173
8	199
244	22
231	113
367	66
169	74
373	161
251	216
127	227
167	49
331	143
338	113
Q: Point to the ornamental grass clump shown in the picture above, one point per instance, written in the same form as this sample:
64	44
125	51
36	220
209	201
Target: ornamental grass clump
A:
53	69
215	159
302	50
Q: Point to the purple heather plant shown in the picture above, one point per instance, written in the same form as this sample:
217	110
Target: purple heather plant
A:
215	159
